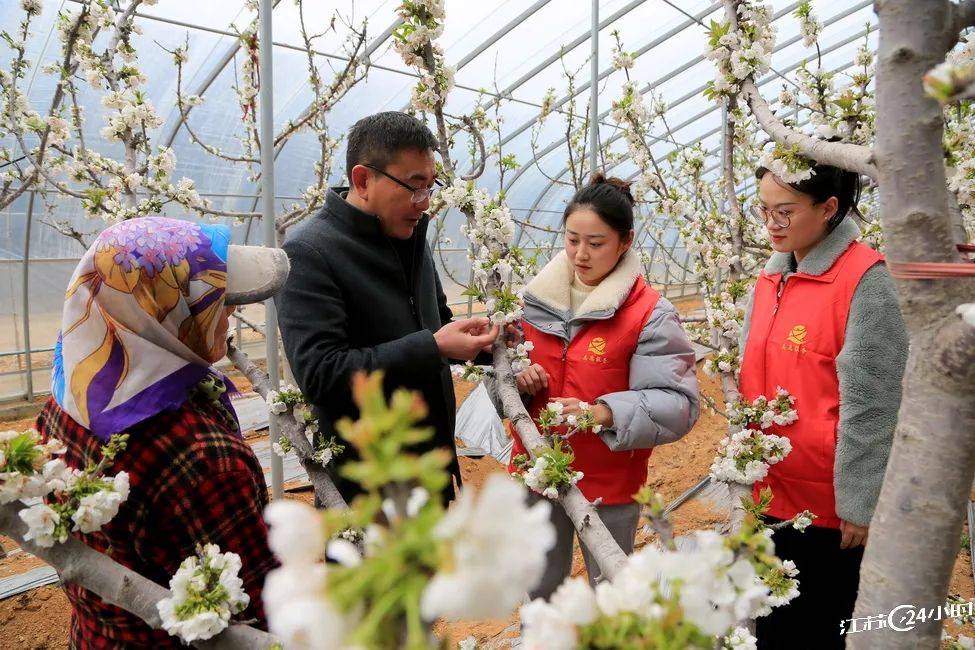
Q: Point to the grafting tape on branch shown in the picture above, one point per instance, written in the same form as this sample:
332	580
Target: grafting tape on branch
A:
934	270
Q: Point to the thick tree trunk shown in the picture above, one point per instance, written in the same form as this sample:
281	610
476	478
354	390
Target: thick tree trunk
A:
914	535
118	585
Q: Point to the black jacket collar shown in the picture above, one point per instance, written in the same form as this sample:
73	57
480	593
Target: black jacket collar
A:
355	220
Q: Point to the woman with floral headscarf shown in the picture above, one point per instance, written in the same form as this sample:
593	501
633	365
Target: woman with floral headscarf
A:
146	314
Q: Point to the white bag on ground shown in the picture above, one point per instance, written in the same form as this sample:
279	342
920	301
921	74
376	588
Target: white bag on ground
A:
480	428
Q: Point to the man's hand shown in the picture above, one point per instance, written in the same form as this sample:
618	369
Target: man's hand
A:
602	413
464	339
852	535
532	379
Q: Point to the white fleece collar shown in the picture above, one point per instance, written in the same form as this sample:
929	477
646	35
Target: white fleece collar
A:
551	286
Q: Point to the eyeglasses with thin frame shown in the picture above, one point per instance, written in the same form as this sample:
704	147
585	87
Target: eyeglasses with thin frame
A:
781	218
420	194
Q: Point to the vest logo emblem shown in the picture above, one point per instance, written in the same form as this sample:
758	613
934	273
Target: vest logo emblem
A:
796	341
597	351
597	346
798	334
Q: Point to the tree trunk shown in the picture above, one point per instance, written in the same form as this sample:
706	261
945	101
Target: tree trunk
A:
914	535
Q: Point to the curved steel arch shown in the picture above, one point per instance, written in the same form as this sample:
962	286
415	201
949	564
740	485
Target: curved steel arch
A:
695	92
710	110
609	70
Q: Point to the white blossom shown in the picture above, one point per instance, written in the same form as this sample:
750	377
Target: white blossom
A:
296	531
41	521
498	546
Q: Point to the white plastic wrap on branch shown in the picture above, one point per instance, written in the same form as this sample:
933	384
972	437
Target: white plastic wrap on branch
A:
592	531
320	478
117	585
853	157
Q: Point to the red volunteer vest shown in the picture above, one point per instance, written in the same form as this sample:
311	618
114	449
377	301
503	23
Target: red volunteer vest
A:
797	331
594	363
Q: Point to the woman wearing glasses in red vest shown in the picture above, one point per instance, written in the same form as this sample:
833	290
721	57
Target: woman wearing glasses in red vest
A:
823	324
603	336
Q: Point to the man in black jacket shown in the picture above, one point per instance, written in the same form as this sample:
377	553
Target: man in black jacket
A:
363	293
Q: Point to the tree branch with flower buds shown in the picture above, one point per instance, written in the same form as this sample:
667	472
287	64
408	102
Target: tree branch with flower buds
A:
78	564
319	476
839	154
590	528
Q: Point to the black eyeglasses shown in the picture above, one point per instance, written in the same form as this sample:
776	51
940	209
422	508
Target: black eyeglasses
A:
781	218
420	194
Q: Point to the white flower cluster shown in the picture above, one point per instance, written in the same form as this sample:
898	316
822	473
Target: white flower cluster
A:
809	26
741	53
290	398
787	164
946	81
497	267
711	588
848	113
497	548
763	413
789	587
206	592
623	60
740	639
85	500
422	23
469	371
536	478
247	86
803	520
745	456
128	112
27	467
631	113
50	524
519	356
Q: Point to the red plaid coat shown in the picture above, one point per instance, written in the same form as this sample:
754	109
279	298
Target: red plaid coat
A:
193	480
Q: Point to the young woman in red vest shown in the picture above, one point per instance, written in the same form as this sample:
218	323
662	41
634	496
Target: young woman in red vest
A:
603	336
823	324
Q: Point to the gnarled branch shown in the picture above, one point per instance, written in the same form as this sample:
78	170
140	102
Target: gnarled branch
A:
853	157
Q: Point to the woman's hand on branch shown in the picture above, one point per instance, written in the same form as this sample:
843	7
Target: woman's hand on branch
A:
601	412
532	379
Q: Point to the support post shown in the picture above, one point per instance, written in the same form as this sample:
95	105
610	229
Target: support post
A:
594	92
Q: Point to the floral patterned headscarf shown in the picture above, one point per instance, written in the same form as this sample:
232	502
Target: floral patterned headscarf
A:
139	320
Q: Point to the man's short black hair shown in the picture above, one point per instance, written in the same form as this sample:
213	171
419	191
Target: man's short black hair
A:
375	140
